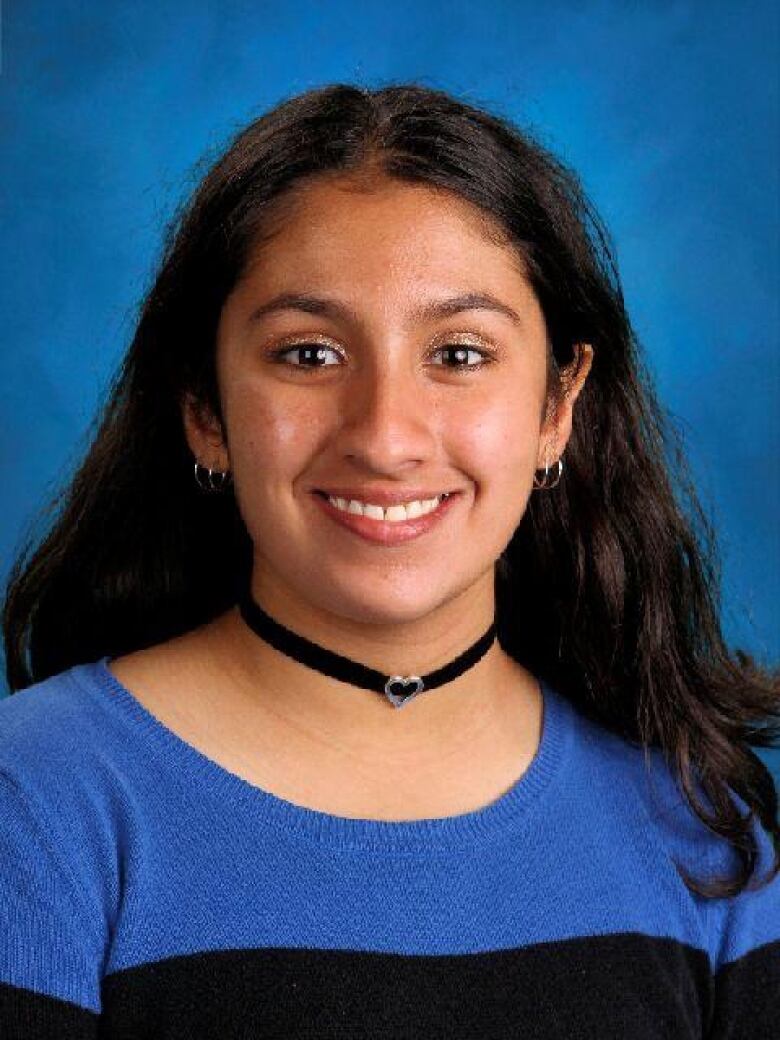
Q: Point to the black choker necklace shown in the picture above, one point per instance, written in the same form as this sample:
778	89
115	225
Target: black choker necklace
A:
339	667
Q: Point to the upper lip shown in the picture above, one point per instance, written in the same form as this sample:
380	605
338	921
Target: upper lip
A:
385	496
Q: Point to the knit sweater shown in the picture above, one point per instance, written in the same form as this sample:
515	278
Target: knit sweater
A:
146	891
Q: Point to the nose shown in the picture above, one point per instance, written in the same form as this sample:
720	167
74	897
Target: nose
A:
387	418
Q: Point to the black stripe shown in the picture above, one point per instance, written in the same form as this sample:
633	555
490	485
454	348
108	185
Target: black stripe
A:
624	987
613	987
25	1015
747	996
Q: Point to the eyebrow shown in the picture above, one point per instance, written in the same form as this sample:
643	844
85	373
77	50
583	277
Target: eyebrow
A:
329	308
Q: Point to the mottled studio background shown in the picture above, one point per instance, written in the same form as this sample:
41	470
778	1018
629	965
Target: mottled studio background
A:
669	111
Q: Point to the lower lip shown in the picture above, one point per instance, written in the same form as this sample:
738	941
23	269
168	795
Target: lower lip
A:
385	532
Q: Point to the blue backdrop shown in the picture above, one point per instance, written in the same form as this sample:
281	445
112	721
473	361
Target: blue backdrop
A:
669	111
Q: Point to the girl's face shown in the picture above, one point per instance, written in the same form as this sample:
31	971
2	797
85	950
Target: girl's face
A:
381	340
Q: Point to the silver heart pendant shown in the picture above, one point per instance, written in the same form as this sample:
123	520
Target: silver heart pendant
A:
399	699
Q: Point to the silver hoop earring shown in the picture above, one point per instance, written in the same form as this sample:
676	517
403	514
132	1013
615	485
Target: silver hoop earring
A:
544	486
211	479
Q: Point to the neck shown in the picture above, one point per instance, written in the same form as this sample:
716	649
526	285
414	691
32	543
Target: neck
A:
339	717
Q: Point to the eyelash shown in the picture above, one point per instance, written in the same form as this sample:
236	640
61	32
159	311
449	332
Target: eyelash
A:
486	357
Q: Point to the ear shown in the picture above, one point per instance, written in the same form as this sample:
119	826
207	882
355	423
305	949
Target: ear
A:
204	434
556	429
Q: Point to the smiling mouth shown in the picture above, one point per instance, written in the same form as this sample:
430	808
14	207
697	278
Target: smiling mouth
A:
389	530
395	512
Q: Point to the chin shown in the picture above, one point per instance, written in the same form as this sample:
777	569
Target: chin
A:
378	606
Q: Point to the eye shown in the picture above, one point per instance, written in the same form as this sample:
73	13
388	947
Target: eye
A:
317	350
461	351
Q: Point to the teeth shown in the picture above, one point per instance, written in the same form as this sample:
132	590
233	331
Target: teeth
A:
395	514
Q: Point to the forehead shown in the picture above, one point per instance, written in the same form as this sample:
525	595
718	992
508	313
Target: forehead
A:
380	229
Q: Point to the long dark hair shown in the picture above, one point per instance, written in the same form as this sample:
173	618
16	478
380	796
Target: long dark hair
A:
609	587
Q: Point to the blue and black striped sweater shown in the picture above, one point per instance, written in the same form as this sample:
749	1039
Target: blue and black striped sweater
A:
145	891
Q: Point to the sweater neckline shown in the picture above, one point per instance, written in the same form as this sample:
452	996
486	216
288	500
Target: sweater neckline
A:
504	813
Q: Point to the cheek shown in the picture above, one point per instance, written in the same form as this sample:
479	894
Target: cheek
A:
271	429
499	445
272	443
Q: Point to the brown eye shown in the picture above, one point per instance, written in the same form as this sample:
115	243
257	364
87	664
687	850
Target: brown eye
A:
315	352
461	352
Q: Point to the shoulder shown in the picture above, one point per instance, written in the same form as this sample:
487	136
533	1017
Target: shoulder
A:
58	715
58	785
639	798
62	744
50	717
642	788
636	782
